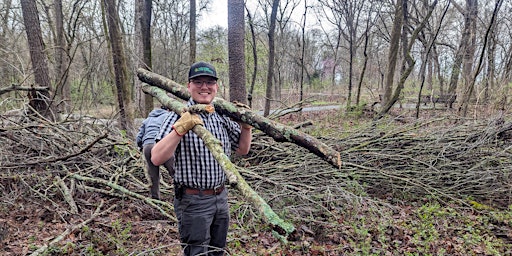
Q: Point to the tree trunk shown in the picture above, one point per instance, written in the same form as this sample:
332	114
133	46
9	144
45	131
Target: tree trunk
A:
409	62
143	11
62	90
255	57
491	62
365	63
462	52
470	89
425	63
4	29
303	51
437	70
271	57
40	101
394	46
120	66
192	35
236	51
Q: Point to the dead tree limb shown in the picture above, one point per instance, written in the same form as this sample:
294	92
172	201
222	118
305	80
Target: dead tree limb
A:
277	131
66	192
280	226
15	87
126	191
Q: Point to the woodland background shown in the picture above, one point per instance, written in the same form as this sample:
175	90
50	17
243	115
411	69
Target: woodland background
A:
418	177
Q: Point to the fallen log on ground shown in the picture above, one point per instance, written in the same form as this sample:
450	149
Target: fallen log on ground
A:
277	131
234	177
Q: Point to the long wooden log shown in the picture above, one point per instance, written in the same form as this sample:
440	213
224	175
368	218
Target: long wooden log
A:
277	131
236	180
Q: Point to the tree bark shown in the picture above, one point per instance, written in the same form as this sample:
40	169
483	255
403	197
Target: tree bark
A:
255	57
120	66
143	11
192	35
236	51
394	46
40	101
424	62
277	131
62	89
469	90
271	57
409	63
466	42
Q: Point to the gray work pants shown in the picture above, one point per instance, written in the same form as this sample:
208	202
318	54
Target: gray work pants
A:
154	171
203	222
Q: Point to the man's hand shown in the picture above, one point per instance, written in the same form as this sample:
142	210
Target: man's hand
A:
186	122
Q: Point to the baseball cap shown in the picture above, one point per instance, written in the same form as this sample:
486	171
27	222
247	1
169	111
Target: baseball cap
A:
202	69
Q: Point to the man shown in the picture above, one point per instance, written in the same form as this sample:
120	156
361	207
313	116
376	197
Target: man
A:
146	140
201	201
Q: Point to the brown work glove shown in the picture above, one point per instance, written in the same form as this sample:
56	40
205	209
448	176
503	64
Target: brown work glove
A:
242	105
186	122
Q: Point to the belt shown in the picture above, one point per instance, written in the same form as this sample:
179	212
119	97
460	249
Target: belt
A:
206	192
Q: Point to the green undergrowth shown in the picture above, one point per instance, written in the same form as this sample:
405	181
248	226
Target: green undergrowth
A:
412	228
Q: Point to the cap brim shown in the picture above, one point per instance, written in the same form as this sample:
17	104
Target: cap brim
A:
198	75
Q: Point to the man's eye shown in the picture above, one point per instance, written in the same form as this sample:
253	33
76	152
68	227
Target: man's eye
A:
200	83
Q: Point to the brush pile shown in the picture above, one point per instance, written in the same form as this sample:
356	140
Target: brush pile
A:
66	169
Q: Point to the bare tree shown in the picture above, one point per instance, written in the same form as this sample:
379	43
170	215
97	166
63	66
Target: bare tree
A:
428	48
470	88
394	45
349	13
143	10
192	34
464	56
62	90
236	51
409	61
333	41
4	29
303	50
366	36
271	57
40	101
254	55
120	66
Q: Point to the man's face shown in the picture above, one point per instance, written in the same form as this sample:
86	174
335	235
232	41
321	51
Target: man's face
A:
203	89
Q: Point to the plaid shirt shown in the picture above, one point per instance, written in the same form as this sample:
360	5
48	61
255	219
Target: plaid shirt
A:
194	164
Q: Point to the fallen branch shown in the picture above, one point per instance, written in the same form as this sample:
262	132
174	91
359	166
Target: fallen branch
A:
277	131
15	87
213	144
129	193
67	195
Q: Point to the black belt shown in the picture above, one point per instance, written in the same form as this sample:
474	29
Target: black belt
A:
207	192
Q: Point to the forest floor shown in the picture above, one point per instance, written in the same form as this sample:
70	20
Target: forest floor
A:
440	185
